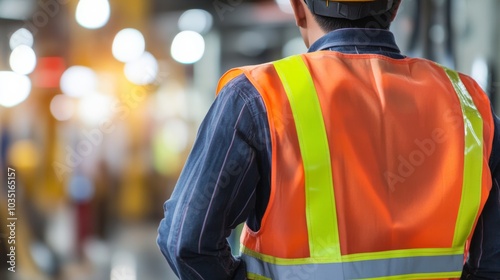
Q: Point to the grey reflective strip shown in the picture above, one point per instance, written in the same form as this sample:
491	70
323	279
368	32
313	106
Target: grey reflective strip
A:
356	270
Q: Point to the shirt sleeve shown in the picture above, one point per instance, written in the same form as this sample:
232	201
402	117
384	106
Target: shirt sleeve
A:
216	190
484	255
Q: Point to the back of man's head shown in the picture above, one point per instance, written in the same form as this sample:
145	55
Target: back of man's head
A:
337	14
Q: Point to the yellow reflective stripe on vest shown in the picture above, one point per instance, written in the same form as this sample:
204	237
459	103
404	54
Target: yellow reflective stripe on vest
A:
321	213
473	161
393	254
419	267
253	276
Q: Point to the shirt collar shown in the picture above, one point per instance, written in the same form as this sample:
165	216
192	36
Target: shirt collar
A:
356	37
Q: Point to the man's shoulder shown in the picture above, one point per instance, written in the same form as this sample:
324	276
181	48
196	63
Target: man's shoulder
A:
239	82
239	87
240	77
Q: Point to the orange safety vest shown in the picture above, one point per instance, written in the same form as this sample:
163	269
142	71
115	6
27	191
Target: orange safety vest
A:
379	168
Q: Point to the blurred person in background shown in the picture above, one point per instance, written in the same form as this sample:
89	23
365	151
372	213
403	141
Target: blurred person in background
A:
352	161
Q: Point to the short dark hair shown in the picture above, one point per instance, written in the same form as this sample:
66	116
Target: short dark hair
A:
382	21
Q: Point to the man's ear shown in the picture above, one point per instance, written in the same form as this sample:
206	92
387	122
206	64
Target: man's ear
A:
395	9
299	11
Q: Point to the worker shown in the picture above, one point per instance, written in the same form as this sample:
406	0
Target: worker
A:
352	161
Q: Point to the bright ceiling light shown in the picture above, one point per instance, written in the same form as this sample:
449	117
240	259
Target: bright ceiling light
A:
188	47
77	81
14	88
23	60
21	37
128	45
93	14
143	70
196	20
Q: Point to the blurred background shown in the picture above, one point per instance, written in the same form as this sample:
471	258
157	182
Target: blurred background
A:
100	101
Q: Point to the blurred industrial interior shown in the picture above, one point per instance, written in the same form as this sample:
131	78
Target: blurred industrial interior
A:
100	103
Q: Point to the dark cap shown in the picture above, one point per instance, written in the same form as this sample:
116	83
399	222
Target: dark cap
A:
349	9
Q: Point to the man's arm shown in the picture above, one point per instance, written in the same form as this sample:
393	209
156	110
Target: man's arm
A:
484	257
215	192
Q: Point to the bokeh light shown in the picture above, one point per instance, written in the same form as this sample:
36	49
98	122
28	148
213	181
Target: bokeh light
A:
93	14
196	20
23	60
43	256
252	43
143	70
285	6
24	154
188	47
21	37
128	45
95	108
123	266
81	188
77	81
14	88
168	145
62	107
176	134
170	101
480	72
